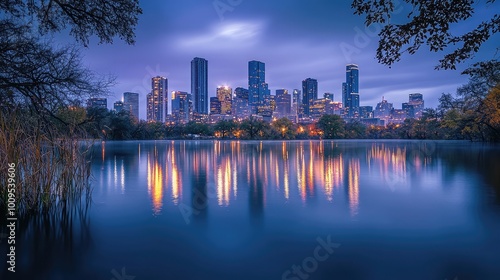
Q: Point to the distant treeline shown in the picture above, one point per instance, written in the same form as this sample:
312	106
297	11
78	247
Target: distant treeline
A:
473	113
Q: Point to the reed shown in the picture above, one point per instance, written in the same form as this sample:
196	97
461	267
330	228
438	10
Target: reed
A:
52	165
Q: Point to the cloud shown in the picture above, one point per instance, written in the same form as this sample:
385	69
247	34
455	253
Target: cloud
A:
224	35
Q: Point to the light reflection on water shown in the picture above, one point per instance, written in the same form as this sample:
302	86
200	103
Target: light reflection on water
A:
252	209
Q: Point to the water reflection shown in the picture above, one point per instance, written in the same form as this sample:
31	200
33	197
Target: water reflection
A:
303	170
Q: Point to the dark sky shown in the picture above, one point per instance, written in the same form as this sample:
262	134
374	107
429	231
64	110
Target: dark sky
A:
296	39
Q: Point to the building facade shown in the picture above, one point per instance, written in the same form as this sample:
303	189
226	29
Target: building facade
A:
310	93
257	86
131	103
225	97
199	85
350	92
182	107
157	100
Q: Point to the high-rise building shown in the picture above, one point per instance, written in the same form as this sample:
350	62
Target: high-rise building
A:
296	103
310	93
131	103
257	86
350	92
199	85
283	103
182	106
240	107
157	100
225	97
215	106
417	101
118	106
366	112
383	111
97	103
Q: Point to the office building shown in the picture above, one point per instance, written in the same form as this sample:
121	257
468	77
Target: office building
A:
118	106
199	85
131	103
283	103
417	101
350	92
225	97
182	107
240	106
215	108
310	93
257	86
383	111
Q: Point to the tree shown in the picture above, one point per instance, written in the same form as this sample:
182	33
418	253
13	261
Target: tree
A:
225	128
85	18
254	128
430	23
332	126
285	128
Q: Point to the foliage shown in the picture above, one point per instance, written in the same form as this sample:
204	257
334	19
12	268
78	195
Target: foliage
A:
429	23
225	128
332	126
285	128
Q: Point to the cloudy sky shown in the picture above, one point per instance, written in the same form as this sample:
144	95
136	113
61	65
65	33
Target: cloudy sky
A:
296	39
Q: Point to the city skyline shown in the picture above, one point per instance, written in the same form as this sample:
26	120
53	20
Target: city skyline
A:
317	46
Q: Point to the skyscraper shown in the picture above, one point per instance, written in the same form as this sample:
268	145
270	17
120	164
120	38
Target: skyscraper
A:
257	86
296	103
310	93
350	92
240	107
225	96
118	106
199	85
214	106
157	100
182	108
417	101
283	102
131	103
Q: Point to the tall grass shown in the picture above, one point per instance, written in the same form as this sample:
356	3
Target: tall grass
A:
52	165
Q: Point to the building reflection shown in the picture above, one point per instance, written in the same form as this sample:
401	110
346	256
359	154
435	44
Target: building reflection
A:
353	185
390	161
155	181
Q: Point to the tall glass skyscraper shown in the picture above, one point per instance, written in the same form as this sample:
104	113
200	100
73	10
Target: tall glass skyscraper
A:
310	92
181	106
131	103
350	91
157	100
199	85
257	86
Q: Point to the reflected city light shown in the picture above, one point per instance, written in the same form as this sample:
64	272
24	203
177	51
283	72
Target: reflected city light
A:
155	183
353	185
176	179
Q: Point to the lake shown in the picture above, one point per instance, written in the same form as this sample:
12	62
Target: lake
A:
277	210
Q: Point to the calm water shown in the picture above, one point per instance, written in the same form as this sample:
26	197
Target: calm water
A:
278	210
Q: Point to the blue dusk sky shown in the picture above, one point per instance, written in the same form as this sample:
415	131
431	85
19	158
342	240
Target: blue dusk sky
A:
296	39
